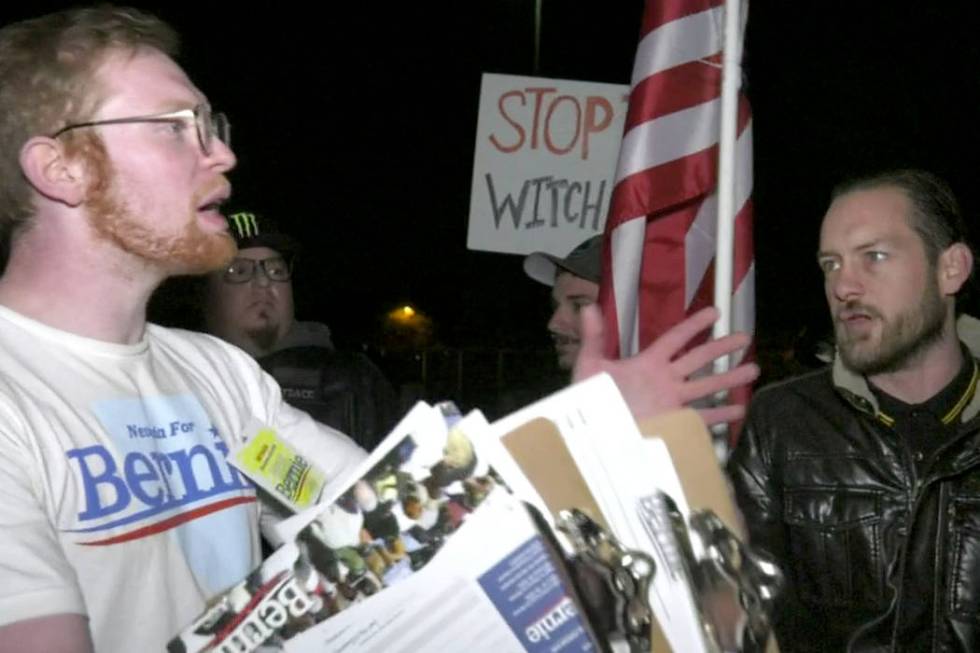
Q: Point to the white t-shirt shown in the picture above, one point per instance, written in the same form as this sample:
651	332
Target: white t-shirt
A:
115	498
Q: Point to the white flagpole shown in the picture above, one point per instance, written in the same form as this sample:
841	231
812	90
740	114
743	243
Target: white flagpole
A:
725	230
724	247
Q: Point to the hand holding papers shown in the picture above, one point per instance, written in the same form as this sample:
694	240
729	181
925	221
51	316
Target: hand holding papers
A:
422	549
653	382
443	540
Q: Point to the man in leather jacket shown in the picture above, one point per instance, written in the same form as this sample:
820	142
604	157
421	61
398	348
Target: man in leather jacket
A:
863	479
250	304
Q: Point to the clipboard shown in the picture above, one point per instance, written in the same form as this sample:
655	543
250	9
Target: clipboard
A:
543	457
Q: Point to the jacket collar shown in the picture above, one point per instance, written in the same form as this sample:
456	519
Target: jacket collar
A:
854	387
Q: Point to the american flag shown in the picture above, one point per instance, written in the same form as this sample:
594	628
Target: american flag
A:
658	261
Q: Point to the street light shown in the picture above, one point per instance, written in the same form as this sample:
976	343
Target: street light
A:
407	328
405	316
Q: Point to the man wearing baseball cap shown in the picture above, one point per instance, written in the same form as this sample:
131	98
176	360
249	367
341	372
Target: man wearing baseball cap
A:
575	283
250	304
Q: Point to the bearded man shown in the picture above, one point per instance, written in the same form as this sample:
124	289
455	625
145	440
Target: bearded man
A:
120	515
863	479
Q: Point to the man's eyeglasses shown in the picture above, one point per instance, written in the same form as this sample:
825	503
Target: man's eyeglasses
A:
208	125
242	270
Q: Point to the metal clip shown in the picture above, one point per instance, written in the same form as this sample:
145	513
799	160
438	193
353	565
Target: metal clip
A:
667	529
626	575
733	587
733	573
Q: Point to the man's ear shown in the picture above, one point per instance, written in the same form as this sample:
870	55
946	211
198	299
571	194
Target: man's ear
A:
953	268
52	172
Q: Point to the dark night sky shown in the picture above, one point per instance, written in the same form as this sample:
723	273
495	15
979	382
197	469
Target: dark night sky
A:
355	128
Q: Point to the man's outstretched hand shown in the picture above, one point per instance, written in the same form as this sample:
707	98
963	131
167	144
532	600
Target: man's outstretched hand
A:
653	382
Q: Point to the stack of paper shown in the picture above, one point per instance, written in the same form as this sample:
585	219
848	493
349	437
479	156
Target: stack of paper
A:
429	546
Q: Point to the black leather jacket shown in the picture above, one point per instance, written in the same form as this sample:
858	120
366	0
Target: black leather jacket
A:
344	390
876	557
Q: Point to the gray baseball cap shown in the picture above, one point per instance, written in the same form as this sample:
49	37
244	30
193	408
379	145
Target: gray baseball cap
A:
584	261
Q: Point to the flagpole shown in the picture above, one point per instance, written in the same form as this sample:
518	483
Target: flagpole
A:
724	253
537	37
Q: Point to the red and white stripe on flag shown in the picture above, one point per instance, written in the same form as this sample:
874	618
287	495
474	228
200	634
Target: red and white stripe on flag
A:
658	259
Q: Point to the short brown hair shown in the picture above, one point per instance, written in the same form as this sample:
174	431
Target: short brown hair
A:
46	69
936	216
